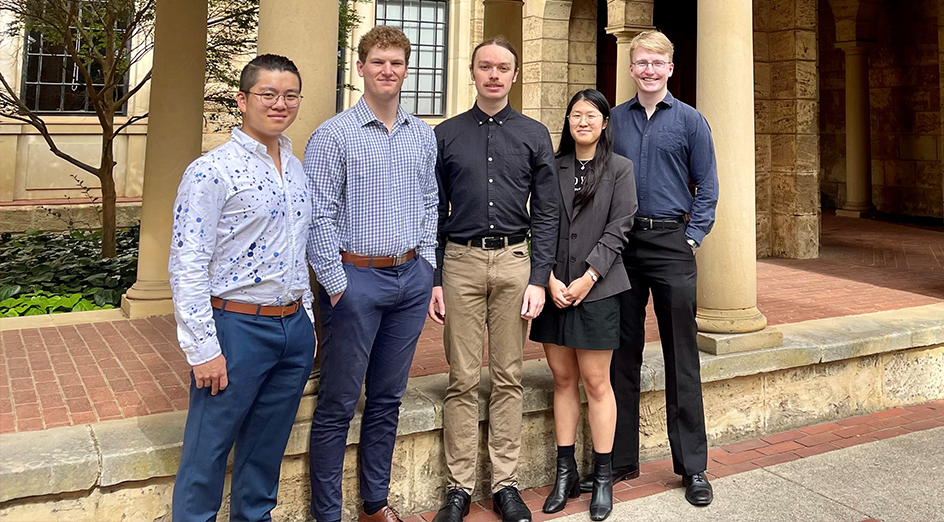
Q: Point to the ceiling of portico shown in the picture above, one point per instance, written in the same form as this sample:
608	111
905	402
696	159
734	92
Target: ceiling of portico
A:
856	20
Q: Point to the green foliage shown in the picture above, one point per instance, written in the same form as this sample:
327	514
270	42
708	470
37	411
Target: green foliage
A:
232	26
42	303
43	273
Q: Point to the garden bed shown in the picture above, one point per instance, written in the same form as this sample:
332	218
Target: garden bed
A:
50	273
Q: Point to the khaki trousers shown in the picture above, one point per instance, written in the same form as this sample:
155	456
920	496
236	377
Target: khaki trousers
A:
484	288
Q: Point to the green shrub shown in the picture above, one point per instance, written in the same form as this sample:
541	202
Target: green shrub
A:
43	273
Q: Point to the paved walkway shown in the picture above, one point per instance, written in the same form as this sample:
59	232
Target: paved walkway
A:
887	466
72	375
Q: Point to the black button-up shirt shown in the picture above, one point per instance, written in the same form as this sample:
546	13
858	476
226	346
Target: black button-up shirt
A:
487	168
667	150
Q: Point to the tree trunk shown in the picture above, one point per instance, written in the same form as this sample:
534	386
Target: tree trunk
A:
109	212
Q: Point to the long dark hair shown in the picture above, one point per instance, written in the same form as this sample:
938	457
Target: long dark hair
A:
604	145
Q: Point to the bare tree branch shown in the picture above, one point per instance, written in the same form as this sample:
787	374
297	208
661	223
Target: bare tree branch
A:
124	99
131	121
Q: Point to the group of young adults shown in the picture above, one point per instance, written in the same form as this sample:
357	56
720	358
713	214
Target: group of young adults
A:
476	225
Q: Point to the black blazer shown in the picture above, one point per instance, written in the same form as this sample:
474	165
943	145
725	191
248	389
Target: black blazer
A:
596	235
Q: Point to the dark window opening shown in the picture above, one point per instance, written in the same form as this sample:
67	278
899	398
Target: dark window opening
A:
52	81
425	24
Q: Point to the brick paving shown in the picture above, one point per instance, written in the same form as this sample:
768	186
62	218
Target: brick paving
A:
656	477
70	375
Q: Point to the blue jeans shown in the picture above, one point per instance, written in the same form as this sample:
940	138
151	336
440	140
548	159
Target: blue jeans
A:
369	338
268	362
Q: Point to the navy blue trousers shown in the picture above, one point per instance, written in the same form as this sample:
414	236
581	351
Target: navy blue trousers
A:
268	362
368	338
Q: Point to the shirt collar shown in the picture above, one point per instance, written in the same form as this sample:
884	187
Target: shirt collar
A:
500	117
364	115
250	144
668	101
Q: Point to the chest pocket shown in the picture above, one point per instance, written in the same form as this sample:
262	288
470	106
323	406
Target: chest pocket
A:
517	168
671	141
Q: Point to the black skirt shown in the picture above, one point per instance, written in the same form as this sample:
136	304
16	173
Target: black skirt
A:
591	325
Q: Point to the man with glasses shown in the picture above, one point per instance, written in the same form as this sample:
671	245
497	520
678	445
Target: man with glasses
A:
242	300
492	160
371	172
670	146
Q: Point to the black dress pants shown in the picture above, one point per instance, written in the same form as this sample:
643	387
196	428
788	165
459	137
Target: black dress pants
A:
661	262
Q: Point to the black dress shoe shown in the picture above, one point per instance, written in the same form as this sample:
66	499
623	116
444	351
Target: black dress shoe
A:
619	475
456	506
565	486
601	501
507	503
697	490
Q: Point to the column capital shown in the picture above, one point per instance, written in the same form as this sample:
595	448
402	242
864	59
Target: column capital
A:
625	33
856	46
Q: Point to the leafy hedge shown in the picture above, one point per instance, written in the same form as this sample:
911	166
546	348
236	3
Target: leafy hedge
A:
44	273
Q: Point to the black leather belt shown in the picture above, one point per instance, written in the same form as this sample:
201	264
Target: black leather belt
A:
491	242
642	223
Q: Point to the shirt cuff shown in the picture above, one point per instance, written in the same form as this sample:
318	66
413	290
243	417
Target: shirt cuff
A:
202	353
335	281
695	234
428	253
540	277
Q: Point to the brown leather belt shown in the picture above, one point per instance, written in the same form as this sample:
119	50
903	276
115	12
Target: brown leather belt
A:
362	261
251	309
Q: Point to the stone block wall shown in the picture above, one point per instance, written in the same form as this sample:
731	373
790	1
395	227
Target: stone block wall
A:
545	61
786	128
582	50
905	95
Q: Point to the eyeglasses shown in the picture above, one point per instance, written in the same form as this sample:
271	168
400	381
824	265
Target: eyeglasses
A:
591	118
642	65
269	99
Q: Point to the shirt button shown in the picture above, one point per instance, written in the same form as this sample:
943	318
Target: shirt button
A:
573	236
489	158
573	260
490	119
491	204
491	226
490	180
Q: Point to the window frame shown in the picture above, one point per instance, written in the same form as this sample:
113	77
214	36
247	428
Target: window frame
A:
37	82
418	49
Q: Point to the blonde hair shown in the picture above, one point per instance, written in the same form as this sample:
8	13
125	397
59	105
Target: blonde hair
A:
652	41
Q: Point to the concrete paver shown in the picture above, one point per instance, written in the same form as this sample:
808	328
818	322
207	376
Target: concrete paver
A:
893	480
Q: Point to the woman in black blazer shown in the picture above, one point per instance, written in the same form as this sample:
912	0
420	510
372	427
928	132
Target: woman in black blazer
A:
579	333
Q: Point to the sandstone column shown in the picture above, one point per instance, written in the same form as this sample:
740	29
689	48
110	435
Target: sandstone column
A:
625	86
503	18
858	136
727	279
625	19
175	134
306	32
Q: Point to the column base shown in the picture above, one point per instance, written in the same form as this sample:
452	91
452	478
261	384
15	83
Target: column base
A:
147	298
742	320
861	214
721	344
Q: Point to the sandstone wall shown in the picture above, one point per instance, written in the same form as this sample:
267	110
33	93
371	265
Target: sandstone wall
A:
786	128
905	93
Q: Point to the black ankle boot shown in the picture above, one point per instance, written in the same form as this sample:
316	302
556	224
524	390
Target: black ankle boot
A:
567	485
601	499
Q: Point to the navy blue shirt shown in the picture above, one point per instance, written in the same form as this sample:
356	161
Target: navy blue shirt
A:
667	150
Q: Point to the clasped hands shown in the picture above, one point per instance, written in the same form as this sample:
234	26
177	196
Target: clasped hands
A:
573	294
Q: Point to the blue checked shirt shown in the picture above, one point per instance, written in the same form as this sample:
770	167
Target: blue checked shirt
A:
373	192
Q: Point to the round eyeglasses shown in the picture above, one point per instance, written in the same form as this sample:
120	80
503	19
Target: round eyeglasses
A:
642	65
591	118
269	99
